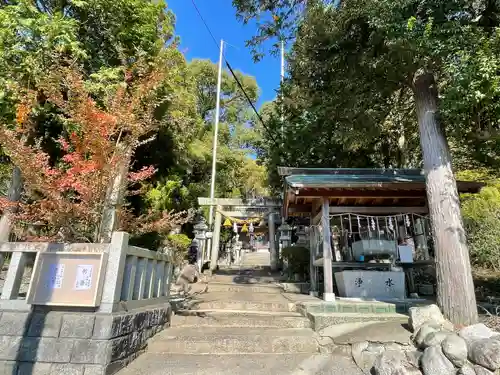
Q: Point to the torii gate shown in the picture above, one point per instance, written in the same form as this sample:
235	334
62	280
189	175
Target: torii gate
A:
236	207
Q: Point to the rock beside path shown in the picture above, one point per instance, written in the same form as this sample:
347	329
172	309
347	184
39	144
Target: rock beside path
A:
455	349
427	314
440	350
434	362
486	353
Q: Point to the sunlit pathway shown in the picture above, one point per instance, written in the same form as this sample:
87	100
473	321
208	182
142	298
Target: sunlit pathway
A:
243	324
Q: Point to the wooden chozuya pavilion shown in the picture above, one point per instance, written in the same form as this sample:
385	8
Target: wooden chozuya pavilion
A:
367	227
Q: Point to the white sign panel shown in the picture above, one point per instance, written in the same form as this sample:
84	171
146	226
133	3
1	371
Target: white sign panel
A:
56	276
84	277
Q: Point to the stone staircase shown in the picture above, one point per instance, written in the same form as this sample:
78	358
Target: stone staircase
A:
243	324
251	259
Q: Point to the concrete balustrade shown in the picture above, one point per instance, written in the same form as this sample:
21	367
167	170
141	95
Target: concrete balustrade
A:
134	278
84	340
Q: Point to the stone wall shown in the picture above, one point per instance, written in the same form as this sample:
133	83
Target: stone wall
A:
47	341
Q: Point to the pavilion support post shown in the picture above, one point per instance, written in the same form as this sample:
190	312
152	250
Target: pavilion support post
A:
216	240
273	249
328	294
312	268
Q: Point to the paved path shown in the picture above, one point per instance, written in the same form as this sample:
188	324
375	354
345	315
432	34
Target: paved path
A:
244	324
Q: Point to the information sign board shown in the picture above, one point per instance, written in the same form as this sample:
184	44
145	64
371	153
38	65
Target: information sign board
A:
67	279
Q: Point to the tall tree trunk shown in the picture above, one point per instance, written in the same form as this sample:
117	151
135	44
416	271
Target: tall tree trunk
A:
455	287
13	195
115	196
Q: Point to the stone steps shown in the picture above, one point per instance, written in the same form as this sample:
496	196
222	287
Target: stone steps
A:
255	259
242	278
231	340
244	288
200	318
242	305
220	364
243	324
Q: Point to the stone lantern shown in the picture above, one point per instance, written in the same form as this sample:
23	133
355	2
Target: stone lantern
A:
200	233
285	231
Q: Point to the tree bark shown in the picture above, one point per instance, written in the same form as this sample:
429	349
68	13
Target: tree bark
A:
455	287
115	196
13	195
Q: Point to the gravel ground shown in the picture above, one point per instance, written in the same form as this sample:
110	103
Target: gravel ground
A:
492	322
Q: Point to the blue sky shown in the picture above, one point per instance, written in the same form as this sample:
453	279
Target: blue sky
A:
221	18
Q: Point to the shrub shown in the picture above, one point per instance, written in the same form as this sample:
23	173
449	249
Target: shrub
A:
297	258
179	243
481	215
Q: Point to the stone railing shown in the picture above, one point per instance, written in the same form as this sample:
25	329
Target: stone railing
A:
147	276
134	277
59	340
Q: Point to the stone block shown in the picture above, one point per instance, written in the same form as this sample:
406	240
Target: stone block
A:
77	326
91	352
67	369
14	323
138	341
26	368
141	320
10	347
121	347
158	316
126	325
150	318
46	349
106	326
45	324
8	368
94	370
55	350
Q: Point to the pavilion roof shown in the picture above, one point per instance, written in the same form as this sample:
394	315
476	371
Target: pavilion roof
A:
358	187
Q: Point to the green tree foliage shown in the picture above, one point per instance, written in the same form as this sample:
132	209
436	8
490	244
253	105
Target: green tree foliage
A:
364	73
238	175
481	213
179	243
104	39
369	51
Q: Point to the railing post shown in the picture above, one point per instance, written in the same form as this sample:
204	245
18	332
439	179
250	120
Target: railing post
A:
151	276
115	268
14	275
129	278
140	279
169	271
160	277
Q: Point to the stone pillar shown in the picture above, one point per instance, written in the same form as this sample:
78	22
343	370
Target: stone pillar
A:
216	240
115	268
273	249
14	275
328	294
312	268
201	249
